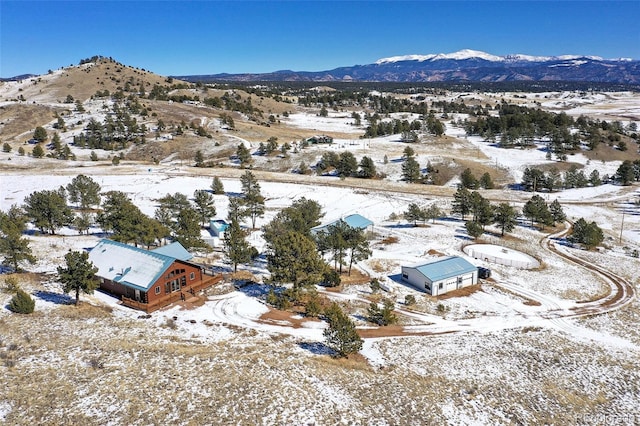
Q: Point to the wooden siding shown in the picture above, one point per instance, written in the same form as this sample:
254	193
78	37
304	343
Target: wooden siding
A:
170	298
177	282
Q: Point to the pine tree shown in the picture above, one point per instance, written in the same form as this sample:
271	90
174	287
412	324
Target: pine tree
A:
505	216
186	229
40	134
625	173
83	191
462	202
557	213
236	248
594	178
481	208
22	303
347	165
199	159
486	182
410	170
57	146
243	155
48	210
413	214
587	234
293	258
37	151
341	335
468	180
367	168
537	210
204	205
13	246
78	275
252	200
432	213
358	246
216	186
474	229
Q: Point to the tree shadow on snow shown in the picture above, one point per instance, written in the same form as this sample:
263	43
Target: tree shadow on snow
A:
316	348
254	289
57	298
464	237
402	225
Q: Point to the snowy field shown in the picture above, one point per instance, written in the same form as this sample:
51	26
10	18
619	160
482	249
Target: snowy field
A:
516	350
482	322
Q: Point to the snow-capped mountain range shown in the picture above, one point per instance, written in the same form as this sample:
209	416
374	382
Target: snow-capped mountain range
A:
464	65
469	54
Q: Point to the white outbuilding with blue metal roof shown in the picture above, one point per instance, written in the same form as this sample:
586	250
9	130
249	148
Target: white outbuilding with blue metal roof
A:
441	275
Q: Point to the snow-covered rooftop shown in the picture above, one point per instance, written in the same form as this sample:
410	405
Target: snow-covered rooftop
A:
445	267
128	265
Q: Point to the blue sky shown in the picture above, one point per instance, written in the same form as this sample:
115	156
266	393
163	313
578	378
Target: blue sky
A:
209	37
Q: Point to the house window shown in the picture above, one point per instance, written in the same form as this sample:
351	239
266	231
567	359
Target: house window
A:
440	286
175	285
183	281
405	276
192	276
157	289
459	280
427	287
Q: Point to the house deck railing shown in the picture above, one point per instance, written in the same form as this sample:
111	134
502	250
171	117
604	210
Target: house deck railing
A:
183	294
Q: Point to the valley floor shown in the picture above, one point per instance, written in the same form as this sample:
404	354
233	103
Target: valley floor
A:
518	350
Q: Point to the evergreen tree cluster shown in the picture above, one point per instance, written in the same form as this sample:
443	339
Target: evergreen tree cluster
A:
342	241
586	233
345	164
537	210
469	181
536	180
382	315
628	172
417	214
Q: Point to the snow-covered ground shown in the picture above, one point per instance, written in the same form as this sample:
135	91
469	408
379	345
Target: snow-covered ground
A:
511	352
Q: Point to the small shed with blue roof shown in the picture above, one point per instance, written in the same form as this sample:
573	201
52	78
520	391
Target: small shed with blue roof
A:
441	275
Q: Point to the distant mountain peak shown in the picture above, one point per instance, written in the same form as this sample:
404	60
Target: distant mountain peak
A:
477	54
466	65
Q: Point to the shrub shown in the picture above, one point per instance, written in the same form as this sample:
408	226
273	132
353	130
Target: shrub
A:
11	285
382	316
312	308
409	300
22	303
331	278
375	285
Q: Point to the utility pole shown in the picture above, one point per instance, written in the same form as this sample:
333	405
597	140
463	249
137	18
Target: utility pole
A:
622	226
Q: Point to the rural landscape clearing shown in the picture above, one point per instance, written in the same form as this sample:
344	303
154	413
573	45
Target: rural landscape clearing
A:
552	336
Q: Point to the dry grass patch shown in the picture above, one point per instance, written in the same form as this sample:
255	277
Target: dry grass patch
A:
356	277
20	120
389	240
381	266
461	292
605	152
